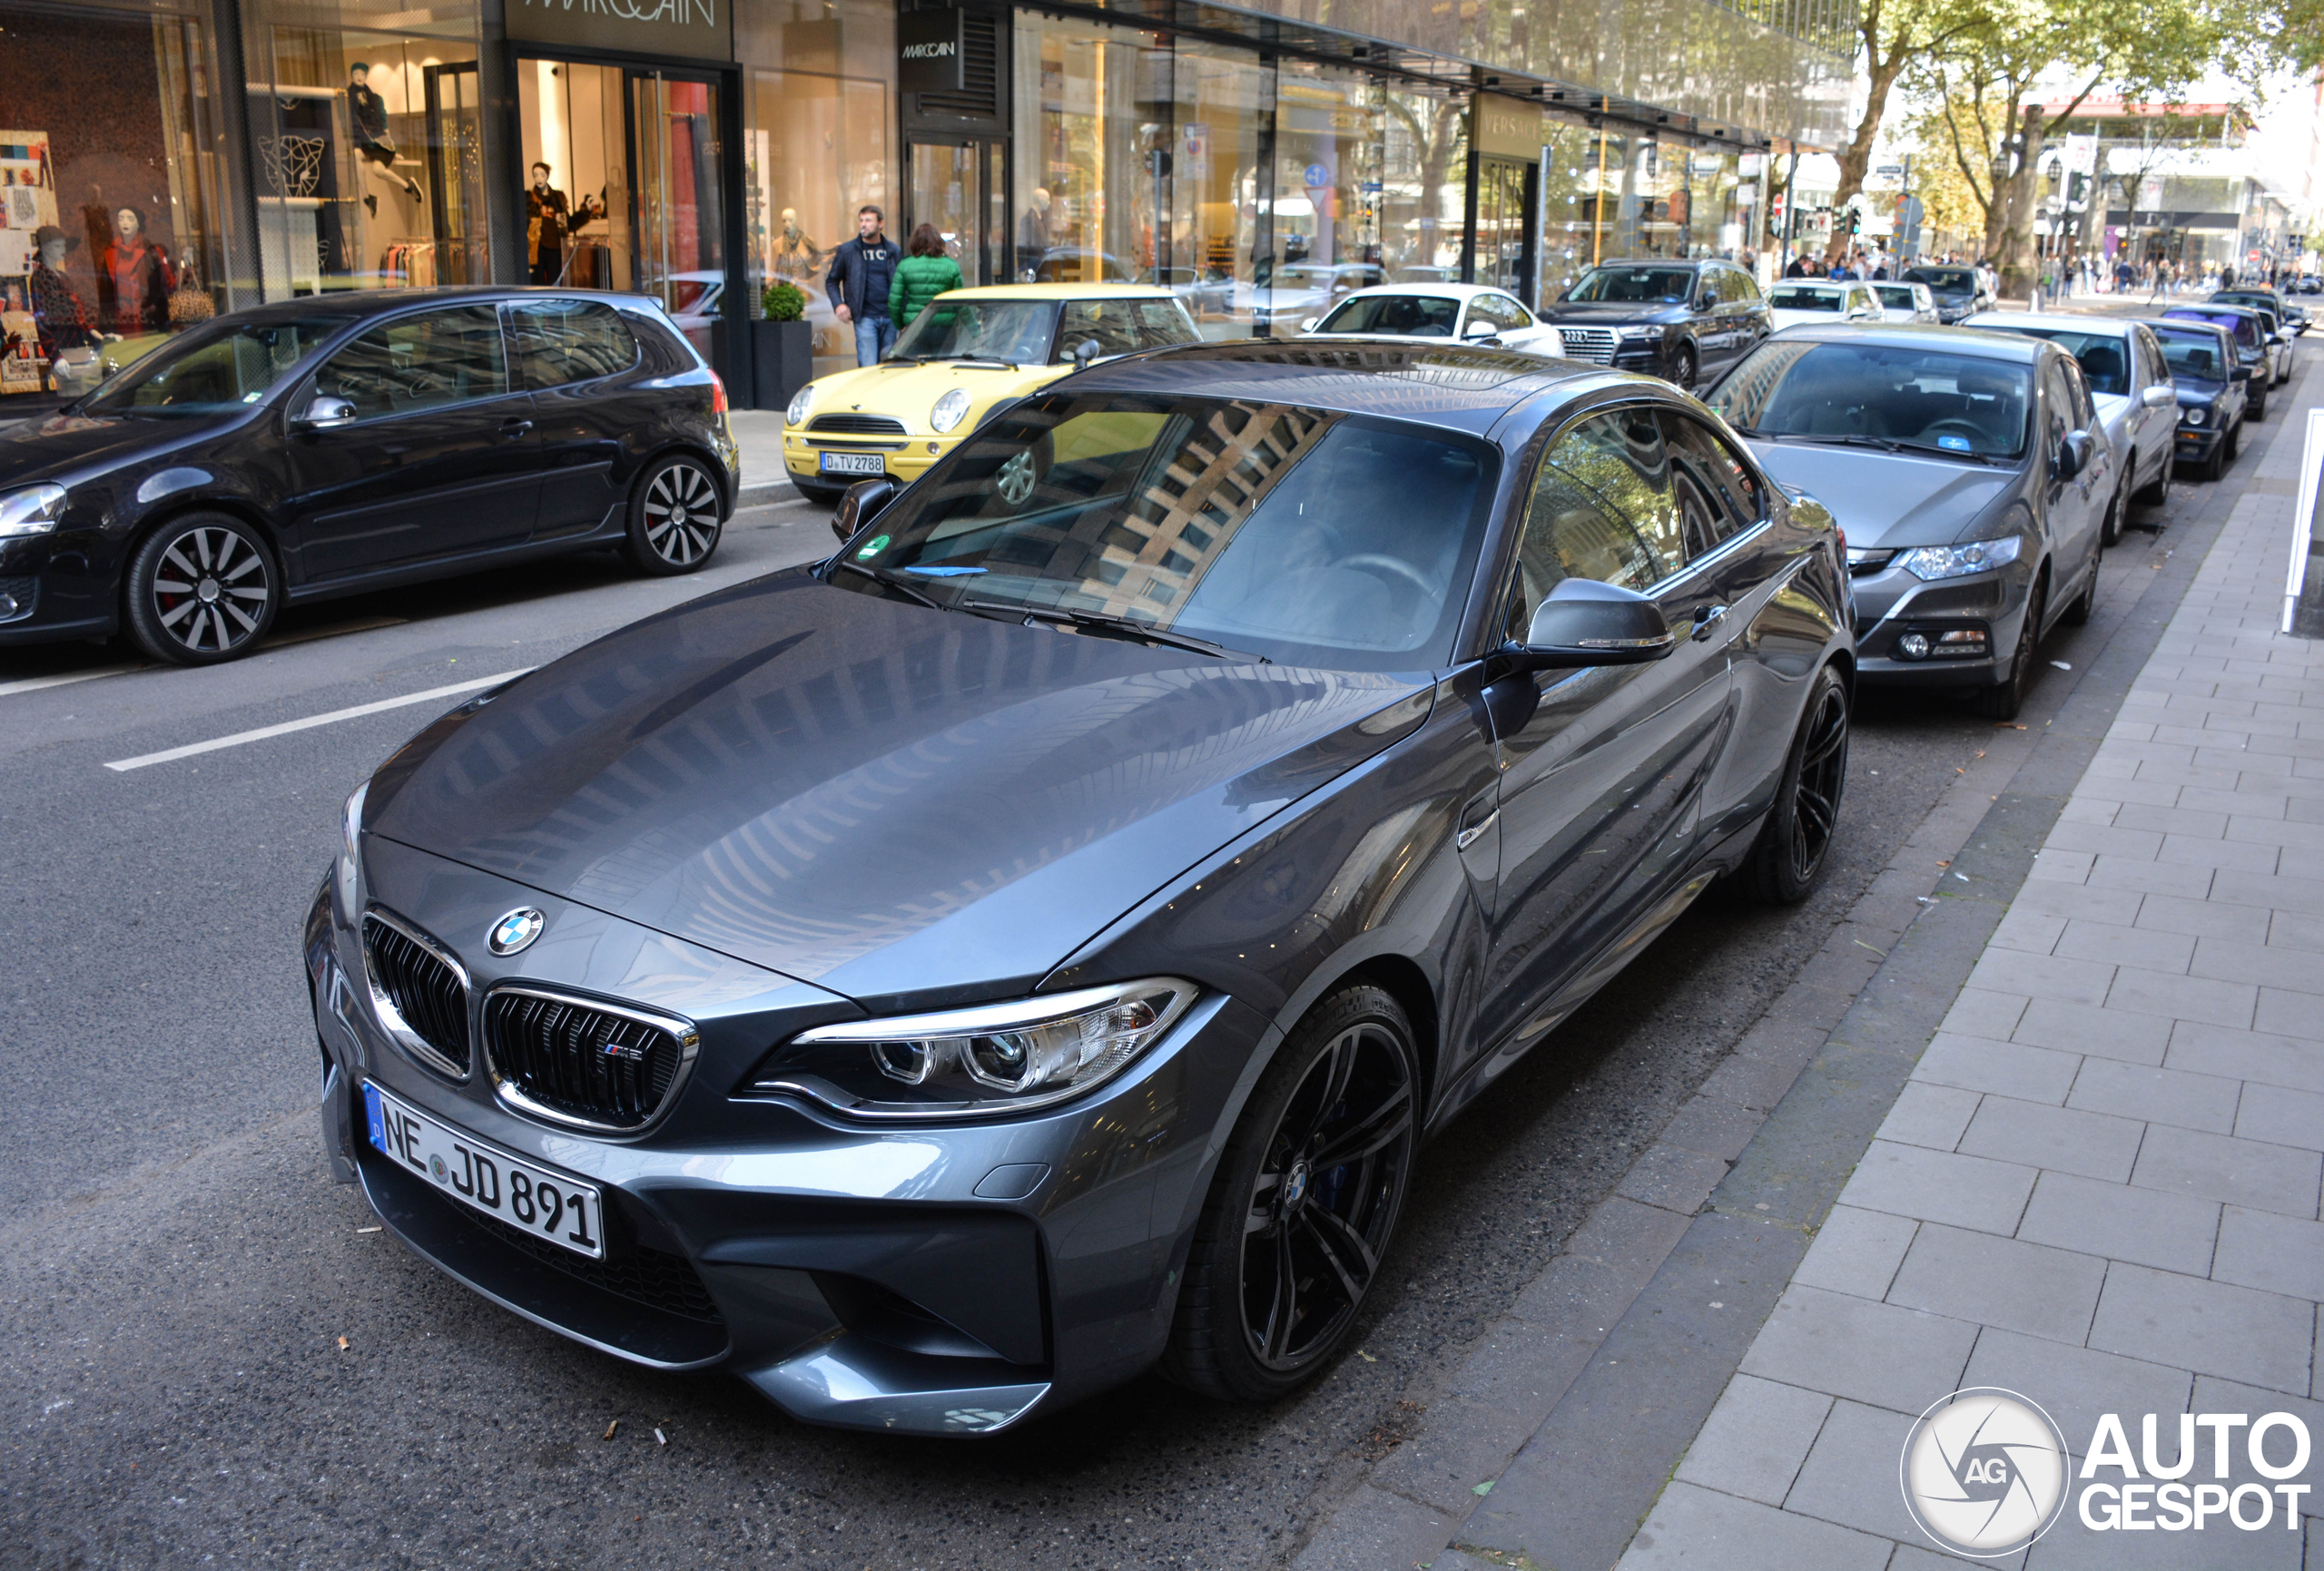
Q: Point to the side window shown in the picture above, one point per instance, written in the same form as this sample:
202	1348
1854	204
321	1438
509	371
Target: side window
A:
419	362
561	341
2085	415
1746	289
1709	474
2058	407
1120	327
1501	312
1602	507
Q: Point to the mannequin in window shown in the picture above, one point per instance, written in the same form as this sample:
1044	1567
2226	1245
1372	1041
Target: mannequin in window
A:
373	142
135	279
796	257
549	217
61	320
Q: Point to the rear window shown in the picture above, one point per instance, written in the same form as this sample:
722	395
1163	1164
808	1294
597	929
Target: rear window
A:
562	341
1944	280
2197	356
1796	298
1411	316
2246	330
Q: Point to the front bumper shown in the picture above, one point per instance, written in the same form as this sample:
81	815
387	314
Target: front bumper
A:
1892	604
903	459
930	1280
2196	444
56	586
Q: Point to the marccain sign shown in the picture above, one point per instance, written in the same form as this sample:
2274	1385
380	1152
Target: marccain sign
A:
697	29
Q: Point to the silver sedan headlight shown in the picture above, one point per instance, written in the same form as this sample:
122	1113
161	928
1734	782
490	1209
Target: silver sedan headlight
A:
33	510
994	1059
1933	562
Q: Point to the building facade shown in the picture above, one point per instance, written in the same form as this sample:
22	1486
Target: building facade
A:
166	160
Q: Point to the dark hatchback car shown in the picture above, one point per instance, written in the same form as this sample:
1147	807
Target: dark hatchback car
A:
2255	351
942	982
1971	475
330	446
2211	380
1680	320
1959	291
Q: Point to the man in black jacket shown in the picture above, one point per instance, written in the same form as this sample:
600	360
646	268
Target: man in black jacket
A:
861	272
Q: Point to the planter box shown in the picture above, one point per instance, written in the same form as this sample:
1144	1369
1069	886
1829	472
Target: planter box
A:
783	358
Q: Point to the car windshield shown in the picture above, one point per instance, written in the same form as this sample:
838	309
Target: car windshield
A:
2198	357
2245	329
2251	297
1920	399
1657	286
1412	316
1898	296
1302	535
1944	280
1017	331
1794	298
1120	327
2105	359
226	365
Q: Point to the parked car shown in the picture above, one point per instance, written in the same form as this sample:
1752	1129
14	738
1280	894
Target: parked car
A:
2255	347
349	442
2210	383
939	983
2294	318
1074	264
1906	302
2131	386
967	354
1819	302
1279	297
1680	320
1469	312
1972	479
1959	291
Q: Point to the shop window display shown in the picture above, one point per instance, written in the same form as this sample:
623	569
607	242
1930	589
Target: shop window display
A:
1327	190
1093	108
1425	171
109	194
1222	219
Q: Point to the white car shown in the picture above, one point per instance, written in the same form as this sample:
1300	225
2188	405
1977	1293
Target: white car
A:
1907	302
1469	313
2130	387
1798	302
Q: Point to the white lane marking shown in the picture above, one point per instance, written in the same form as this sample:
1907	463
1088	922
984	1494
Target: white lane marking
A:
34	683
356	712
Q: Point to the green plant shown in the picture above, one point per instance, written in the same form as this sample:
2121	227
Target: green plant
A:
783	302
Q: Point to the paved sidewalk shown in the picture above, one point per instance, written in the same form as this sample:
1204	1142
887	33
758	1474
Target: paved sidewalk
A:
2099	1186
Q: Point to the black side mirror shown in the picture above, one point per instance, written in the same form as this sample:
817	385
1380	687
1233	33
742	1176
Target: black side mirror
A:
2073	456
1708	302
864	502
1083	353
1585	623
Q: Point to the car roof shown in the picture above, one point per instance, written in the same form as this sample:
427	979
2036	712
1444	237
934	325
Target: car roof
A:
2208	306
1108	292
1655	262
2001	319
1435	382
1928	336
1429	290
351	304
2182	324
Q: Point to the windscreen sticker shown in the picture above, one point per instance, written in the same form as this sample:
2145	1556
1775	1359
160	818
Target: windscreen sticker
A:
872	548
1954	444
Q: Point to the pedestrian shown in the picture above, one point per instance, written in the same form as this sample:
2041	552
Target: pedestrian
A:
921	276
863	271
1797	270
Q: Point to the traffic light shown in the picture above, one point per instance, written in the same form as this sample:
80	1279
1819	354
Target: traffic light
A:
2077	192
1856	220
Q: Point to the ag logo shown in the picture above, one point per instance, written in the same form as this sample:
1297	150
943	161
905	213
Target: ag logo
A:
1984	1472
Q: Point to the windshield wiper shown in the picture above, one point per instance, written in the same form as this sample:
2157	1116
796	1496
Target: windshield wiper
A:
887	580
1850	439
993	360
1118	626
1948	452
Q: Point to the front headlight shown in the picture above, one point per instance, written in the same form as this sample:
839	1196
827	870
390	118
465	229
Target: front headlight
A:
2194	415
796	414
33	510
948	410
346	873
1641	331
974	1063
1932	562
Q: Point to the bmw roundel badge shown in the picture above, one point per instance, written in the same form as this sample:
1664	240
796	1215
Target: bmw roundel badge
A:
515	931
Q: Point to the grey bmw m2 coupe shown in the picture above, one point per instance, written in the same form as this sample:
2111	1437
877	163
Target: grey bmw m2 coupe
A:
1029	947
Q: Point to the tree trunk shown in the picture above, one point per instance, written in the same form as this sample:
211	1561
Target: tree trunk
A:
2015	258
1857	156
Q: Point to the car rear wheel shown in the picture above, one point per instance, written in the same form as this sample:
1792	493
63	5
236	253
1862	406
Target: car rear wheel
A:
1788	856
675	517
2110	533
2257	407
2157	492
1305	1197
2005	697
202	588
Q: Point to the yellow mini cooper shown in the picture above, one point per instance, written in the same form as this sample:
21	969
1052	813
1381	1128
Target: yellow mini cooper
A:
965	355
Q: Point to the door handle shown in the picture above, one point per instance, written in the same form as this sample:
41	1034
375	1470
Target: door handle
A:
1707	618
512	429
1468	837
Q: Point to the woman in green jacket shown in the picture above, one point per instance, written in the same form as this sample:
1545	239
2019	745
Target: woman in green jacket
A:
921	276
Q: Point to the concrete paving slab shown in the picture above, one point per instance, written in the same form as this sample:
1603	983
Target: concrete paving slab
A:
1939	1186
1857	1252
2214	1328
2028	1287
1850	1476
2076	1385
1879	1354
1700	1529
2248	1173
1755	1439
2064	1139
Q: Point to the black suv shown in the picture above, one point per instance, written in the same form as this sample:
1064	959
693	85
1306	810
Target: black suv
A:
1960	292
1680	320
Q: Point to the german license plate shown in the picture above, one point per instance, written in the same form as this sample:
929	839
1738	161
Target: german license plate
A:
871	463
549	1205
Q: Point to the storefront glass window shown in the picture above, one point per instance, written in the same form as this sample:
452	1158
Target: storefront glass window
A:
1221	218
1093	108
1425	171
111	194
819	145
370	153
1327	239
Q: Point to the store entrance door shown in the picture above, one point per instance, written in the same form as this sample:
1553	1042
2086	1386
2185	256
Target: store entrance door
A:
624	186
960	187
1506	223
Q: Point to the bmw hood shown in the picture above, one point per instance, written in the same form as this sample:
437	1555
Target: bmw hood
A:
876	797
1891	499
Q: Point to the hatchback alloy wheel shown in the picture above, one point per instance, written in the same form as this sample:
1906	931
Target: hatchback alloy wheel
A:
202	590
682	513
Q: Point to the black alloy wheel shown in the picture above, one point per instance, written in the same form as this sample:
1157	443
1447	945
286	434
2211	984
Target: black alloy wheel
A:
1306	1195
1684	367
675	517
202	588
2110	533
2006	697
1788	856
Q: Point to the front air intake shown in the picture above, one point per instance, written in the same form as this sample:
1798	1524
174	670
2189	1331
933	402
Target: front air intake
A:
419	991
584	1062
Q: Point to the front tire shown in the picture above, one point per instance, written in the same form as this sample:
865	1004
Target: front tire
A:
1685	367
2110	533
202	588
2157	493
1788	860
677	515
1303	1203
2005	697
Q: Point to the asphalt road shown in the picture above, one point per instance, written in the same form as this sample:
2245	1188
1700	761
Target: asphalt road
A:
213	1357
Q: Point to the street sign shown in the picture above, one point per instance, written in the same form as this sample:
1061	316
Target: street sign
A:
1890	172
1318	177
